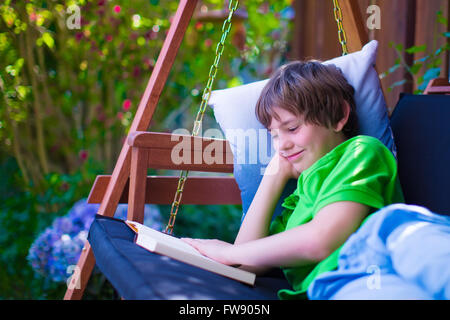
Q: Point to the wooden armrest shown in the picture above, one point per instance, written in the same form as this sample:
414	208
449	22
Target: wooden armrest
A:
183	152
438	86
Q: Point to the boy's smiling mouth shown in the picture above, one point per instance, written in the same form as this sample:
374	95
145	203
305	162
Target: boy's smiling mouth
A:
294	156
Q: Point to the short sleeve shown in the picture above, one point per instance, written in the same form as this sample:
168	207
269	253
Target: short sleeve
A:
279	223
365	173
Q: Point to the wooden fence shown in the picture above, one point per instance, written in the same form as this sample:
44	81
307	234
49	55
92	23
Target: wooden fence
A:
406	22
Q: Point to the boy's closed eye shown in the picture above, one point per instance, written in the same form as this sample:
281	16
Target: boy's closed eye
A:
274	134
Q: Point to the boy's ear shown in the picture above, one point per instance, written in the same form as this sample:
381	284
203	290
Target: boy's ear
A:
340	125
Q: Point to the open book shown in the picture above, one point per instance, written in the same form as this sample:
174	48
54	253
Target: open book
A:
167	245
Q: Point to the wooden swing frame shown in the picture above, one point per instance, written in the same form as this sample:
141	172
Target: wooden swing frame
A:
143	149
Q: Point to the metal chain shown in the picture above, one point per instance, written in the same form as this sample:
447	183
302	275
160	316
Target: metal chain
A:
198	120
341	32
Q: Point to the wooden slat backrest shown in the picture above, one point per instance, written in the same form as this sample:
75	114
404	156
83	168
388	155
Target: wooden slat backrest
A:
159	190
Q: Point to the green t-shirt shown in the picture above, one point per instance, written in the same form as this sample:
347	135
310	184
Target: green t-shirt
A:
360	169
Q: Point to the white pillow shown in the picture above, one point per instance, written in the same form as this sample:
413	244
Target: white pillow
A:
234	108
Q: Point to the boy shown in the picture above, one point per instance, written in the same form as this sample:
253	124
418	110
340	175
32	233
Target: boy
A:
342	178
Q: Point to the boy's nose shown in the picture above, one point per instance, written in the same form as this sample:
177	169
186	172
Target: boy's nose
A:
284	143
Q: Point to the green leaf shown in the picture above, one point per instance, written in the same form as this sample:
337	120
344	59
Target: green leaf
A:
19	64
416	67
234	82
420	80
399	47
393	68
48	40
397	83
415	49
432	73
22	91
423	59
423	86
4	42
437	62
11	70
441	19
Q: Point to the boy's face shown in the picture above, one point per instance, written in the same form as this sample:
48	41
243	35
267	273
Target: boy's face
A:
300	143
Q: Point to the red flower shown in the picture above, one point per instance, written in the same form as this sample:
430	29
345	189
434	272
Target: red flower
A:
208	43
126	104
136	72
33	16
83	155
117	9
79	36
198	25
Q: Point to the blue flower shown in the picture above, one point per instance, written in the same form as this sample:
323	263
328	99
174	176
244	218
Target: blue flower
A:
60	245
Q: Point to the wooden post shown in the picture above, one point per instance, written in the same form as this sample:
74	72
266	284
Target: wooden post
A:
141	122
354	25
138	181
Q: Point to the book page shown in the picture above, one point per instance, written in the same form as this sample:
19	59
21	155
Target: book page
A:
162	237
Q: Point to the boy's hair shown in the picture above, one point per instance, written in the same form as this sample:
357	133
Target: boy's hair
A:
312	90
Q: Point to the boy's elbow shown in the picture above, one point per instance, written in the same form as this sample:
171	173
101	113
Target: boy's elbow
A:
323	253
319	251
313	250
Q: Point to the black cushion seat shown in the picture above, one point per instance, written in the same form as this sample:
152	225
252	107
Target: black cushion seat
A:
140	275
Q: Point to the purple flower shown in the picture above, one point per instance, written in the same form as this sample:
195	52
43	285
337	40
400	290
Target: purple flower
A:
63	224
60	245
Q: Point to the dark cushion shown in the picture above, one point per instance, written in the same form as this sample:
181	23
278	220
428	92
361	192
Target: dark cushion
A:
421	126
139	274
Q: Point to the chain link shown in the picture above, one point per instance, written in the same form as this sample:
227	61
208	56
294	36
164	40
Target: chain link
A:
341	32
226	27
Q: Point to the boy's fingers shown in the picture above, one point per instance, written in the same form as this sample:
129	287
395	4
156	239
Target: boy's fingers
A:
192	242
187	240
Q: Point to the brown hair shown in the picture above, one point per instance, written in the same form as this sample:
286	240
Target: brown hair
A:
310	89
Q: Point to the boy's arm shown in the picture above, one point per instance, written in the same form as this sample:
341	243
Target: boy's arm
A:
302	245
259	215
305	244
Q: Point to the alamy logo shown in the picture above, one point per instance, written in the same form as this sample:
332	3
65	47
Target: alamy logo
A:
374	20
74	19
73	282
374	280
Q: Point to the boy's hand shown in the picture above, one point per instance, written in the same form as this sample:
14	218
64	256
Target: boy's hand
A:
281	166
215	249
